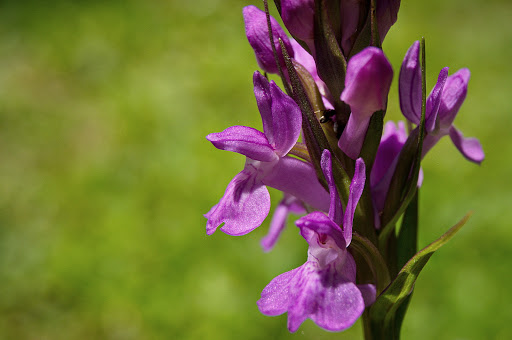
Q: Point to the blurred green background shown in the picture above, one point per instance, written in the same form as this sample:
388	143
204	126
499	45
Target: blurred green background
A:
105	174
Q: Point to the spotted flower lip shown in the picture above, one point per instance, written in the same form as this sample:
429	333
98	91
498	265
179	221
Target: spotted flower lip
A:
323	288
367	84
256	30
246	201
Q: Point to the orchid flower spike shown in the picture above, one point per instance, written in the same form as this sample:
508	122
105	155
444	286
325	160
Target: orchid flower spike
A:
246	202
367	84
323	289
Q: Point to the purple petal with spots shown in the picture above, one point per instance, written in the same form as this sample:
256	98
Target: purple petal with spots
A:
299	179
244	140
324	295
469	147
288	204
244	206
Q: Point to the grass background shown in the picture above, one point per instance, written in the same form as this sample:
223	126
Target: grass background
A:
105	174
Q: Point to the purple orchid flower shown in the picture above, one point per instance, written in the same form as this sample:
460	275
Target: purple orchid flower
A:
256	30
367	83
323	289
246	202
442	105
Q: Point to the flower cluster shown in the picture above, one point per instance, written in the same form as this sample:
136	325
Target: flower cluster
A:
325	146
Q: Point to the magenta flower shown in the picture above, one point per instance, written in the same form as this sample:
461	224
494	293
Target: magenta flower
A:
323	289
367	83
443	104
256	30
246	202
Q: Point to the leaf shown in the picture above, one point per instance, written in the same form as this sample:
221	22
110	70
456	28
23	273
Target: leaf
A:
407	247
383	311
373	258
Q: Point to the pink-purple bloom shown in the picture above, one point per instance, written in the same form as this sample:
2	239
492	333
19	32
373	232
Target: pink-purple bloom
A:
246	202
324	288
442	105
367	84
256	30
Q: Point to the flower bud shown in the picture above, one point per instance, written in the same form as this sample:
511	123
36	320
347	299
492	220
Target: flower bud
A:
298	17
367	83
256	29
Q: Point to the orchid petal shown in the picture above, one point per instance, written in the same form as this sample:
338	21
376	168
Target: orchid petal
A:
244	140
298	17
454	93
276	297
367	82
243	208
281	116
434	100
392	141
326	296
469	147
287	120
387	13
317	223
356	190
299	179
256	30
352	138
264	102
409	84
335	208
349	11
369	293
287	205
